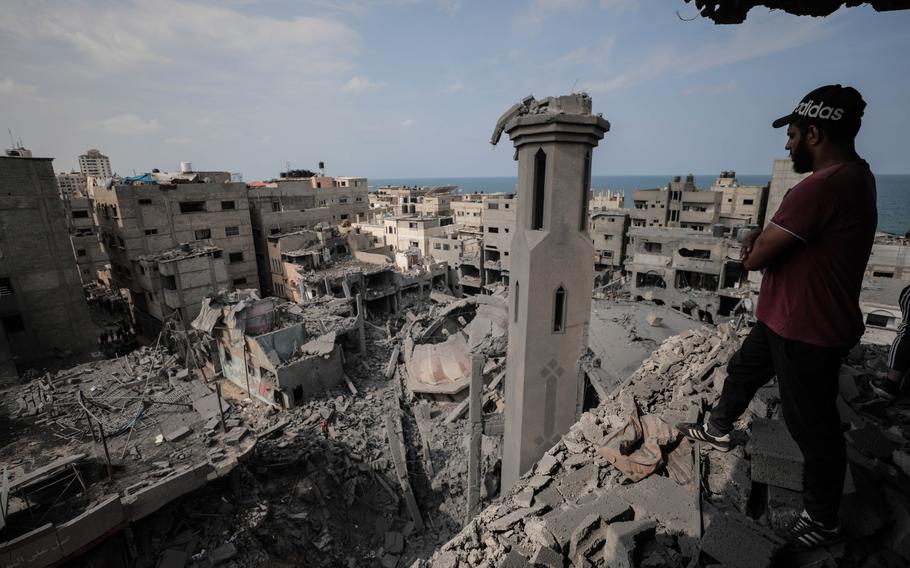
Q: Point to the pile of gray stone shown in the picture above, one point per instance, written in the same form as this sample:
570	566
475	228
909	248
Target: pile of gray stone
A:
574	508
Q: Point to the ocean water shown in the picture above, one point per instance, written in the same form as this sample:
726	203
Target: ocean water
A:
893	190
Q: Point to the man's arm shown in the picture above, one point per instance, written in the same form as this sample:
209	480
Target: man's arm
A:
769	247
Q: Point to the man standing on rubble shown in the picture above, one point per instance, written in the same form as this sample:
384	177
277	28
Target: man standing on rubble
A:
813	254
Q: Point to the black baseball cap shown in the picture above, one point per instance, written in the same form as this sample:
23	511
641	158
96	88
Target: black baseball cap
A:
832	106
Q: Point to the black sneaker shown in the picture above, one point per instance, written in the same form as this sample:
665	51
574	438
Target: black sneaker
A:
886	388
805	534
706	433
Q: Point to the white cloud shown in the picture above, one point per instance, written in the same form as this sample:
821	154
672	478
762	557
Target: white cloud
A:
747	41
408	123
267	139
711	89
450	7
129	124
10	87
180	140
358	84
455	87
131	35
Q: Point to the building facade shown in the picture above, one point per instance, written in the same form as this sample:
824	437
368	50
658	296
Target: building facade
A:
42	304
740	204
608	229
94	163
140	217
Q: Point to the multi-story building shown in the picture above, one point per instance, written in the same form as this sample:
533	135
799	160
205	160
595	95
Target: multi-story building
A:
173	282
71	184
692	271
607	199
405	233
395	200
296	251
159	211
43	310
436	204
290	204
94	163
680	204
740	204
90	255
608	229
469	213
498	223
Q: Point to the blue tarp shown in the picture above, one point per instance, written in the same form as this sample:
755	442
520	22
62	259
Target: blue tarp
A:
144	178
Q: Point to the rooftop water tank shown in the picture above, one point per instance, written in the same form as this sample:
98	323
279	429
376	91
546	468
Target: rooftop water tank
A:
186	166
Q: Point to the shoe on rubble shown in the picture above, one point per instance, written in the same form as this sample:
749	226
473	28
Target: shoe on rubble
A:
706	433
805	534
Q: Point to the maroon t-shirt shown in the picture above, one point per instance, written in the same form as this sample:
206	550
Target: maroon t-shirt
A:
812	293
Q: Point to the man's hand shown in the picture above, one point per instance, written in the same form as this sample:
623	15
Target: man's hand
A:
747	243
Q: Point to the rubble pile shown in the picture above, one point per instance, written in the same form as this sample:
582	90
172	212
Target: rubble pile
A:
699	507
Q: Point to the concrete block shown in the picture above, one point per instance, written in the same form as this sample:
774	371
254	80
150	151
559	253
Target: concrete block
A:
736	541
622	539
536	530
547	557
728	477
233	437
776	459
664	500
177	434
506	521
563	521
546	465
524	498
513	560
577	482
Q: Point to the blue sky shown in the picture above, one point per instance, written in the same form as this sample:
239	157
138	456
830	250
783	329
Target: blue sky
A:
412	88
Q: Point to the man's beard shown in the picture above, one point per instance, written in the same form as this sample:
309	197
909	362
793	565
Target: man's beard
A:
802	158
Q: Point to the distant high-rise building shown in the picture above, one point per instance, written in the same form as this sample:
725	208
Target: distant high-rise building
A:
94	163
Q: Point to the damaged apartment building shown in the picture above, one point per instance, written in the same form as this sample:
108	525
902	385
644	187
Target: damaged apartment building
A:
696	273
281	353
159	211
301	200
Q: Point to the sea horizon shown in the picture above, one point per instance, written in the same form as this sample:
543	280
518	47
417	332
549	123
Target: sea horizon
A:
893	189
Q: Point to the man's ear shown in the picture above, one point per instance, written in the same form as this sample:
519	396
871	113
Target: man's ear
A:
813	135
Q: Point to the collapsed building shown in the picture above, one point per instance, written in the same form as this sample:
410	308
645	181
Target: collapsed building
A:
102	445
701	275
281	354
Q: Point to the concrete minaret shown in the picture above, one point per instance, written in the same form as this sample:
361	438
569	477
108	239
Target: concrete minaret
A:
552	272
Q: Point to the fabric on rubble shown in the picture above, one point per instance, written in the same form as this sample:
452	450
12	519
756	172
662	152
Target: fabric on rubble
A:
635	449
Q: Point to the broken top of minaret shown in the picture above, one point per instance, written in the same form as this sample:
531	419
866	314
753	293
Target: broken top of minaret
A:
551	274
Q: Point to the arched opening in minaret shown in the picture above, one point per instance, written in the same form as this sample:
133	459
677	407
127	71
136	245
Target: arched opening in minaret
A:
585	189
537	204
559	310
515	303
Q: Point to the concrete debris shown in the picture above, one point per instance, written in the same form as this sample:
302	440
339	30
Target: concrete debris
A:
588	503
776	459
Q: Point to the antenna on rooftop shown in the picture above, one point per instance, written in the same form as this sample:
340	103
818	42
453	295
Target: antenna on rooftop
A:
573	86
12	143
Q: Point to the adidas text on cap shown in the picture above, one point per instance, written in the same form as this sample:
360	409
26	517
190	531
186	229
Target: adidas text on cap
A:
833	106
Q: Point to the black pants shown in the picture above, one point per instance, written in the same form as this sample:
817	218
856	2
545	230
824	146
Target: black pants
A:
808	380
